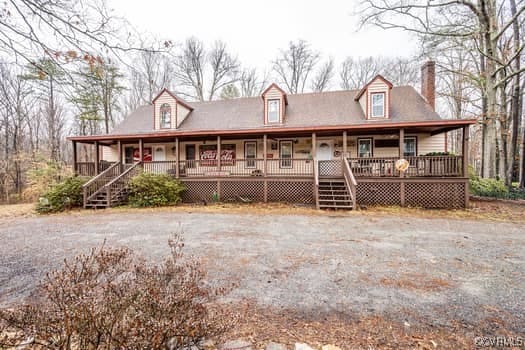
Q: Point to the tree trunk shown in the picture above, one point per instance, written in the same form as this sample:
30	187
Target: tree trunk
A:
515	103
489	25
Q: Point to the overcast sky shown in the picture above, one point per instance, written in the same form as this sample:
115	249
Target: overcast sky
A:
256	30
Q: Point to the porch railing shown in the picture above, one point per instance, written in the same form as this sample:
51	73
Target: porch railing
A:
419	166
88	168
244	167
350	181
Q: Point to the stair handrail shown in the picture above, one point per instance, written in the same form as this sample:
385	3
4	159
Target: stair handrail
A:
124	176
119	177
350	180
94	185
316	182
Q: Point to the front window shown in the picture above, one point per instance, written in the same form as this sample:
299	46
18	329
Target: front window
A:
165	116
409	148
365	148
378	105
250	152
285	153
273	111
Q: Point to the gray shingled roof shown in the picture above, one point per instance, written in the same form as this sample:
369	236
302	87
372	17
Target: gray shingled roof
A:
303	110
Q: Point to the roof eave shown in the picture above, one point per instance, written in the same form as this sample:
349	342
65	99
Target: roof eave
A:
457	123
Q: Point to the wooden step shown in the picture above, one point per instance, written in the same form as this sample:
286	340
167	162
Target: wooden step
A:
335	207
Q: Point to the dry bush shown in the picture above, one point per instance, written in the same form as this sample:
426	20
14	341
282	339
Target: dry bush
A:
42	175
112	299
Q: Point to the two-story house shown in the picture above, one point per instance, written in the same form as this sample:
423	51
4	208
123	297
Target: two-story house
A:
335	149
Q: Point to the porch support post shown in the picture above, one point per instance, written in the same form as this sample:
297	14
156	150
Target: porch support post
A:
75	158
314	164
314	149
97	158
344	145
119	150
401	155
265	151
177	158
464	150
218	153
141	150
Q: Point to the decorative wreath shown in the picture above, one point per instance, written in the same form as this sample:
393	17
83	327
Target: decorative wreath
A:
402	165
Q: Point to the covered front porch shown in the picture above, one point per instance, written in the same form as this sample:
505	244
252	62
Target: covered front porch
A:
331	169
285	156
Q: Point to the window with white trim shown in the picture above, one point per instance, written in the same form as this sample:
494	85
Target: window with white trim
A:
378	104
410	146
364	148
273	110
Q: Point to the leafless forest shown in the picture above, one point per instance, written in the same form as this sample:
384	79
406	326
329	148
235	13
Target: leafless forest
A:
70	67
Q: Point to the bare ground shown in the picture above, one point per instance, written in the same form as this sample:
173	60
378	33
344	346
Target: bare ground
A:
385	277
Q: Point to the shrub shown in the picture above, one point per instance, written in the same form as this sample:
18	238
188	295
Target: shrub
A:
439	154
62	196
153	190
112	299
486	187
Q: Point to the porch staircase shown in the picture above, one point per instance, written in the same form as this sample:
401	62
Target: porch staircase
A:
333	194
111	187
338	191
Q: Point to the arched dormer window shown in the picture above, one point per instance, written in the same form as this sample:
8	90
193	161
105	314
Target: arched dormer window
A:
165	116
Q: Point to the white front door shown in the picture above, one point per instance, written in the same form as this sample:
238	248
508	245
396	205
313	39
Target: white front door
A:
159	153
324	149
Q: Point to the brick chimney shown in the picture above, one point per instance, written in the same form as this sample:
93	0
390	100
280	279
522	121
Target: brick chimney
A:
428	82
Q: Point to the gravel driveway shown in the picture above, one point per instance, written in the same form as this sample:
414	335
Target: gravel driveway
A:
442	270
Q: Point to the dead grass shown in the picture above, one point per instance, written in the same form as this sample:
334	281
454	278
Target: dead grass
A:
500	211
262	325
479	210
17	210
416	282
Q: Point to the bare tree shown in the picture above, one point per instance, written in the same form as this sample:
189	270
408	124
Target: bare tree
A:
202	73
355	73
189	68
467	20
224	68
150	71
294	65
250	83
321	80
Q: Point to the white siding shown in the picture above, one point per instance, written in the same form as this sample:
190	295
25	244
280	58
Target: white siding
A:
182	113
110	153
302	146
427	143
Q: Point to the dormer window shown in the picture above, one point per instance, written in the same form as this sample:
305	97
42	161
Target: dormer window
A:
374	98
378	105
165	116
274	102
273	111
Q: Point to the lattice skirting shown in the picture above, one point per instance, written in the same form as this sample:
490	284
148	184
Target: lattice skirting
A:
289	190
435	195
428	193
378	193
